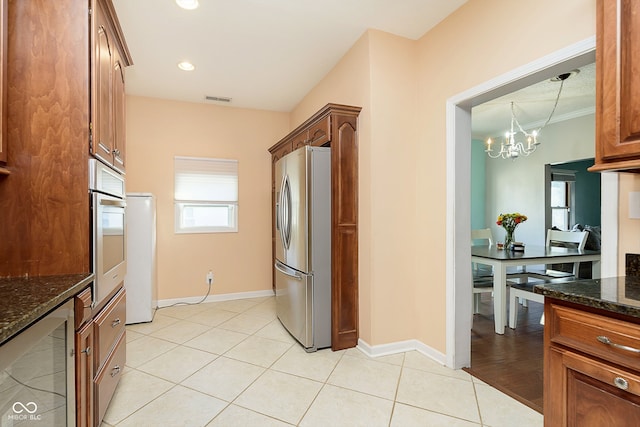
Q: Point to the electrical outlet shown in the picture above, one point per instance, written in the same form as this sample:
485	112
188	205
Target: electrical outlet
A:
209	278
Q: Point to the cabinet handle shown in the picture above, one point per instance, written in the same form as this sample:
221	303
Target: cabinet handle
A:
115	371
86	351
115	323
607	341
621	383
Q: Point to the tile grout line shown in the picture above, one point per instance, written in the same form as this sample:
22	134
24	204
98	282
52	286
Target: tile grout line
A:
271	368
395	395
324	384
475	394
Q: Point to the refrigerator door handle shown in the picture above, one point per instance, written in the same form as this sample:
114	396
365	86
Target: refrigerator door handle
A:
287	271
279	208
286	212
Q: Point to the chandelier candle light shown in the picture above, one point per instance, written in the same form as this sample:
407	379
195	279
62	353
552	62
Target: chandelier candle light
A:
510	147
510	222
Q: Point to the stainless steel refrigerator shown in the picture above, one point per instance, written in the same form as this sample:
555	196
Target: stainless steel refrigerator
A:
303	245
140	280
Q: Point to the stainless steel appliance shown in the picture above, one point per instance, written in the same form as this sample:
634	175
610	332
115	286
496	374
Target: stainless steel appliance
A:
37	373
140	281
108	216
303	245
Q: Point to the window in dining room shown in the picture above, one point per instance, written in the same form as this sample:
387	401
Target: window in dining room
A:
562	198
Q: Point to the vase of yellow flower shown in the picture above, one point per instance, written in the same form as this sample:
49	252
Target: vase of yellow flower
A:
510	222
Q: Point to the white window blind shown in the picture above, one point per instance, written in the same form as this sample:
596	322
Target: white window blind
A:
206	195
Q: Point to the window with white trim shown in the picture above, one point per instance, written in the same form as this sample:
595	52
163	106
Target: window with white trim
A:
562	198
205	195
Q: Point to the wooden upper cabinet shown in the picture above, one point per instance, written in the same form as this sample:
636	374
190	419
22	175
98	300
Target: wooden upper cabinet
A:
300	139
3	83
282	149
119	135
617	85
316	134
109	58
103	99
320	132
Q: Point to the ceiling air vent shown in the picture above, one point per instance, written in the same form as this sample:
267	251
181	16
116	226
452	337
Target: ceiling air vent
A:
217	98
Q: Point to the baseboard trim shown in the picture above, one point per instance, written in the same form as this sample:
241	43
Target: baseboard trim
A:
216	298
401	347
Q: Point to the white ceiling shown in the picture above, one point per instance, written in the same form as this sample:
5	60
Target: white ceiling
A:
268	54
264	54
534	104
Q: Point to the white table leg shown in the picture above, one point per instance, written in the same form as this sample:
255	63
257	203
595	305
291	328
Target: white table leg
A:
500	297
595	269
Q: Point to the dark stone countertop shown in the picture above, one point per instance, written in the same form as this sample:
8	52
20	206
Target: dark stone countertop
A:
616	294
23	300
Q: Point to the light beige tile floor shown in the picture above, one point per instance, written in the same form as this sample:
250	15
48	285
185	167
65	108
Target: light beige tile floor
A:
233	364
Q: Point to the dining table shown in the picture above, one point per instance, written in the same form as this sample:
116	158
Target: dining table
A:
501	259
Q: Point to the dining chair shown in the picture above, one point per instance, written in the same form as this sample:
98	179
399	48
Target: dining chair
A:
523	290
482	274
558	238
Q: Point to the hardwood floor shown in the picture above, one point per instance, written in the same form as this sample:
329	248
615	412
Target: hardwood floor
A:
512	362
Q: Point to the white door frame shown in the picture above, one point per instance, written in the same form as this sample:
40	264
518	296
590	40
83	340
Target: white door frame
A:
458	252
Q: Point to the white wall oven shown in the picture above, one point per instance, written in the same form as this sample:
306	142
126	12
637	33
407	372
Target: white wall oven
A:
108	224
37	375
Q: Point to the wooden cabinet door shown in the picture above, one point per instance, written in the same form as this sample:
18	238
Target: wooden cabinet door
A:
119	115
320	133
3	81
617	84
84	376
102	137
300	140
586	392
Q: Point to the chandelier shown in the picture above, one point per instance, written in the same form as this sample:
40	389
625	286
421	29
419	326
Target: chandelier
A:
519	142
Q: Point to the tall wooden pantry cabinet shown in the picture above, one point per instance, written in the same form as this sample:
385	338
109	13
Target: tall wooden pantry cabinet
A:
63	78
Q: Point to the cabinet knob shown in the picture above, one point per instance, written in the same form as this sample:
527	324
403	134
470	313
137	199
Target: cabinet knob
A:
86	351
115	370
116	152
621	383
116	322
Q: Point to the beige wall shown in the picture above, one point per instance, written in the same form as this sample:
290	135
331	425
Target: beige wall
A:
158	130
379	74
468	49
350	83
402	86
402	144
628	229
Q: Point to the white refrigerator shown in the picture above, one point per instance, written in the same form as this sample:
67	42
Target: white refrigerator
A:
140	280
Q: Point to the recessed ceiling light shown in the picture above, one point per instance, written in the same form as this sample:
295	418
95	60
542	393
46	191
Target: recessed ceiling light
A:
187	4
186	66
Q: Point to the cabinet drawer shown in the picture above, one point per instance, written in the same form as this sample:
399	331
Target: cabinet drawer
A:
613	340
82	307
320	132
108	325
620	379
108	377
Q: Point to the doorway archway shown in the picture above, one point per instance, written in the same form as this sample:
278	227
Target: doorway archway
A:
458	252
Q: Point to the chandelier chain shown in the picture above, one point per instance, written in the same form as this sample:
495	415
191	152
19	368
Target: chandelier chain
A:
555	105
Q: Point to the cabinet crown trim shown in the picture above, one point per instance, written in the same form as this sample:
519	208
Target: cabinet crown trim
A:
323	112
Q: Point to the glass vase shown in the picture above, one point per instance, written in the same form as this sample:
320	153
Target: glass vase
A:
508	239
